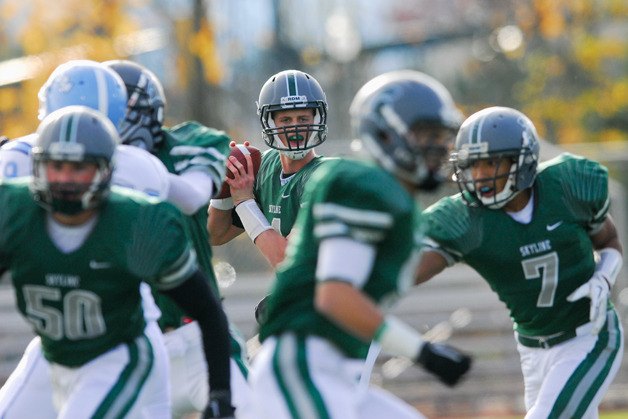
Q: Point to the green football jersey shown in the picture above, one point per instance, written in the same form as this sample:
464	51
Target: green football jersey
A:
532	267
359	201
280	199
85	302
189	147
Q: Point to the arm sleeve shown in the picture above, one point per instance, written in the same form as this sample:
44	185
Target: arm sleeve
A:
196	299
190	191
344	259
585	189
450	230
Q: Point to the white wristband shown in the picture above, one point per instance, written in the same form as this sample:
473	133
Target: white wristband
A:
252	218
224	204
399	339
609	264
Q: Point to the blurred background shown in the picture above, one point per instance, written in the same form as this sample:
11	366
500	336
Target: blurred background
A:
562	62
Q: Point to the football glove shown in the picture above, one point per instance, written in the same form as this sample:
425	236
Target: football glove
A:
219	406
444	361
597	289
3	140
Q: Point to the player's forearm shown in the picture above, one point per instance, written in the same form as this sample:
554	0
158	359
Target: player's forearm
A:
198	301
432	263
189	192
273	246
607	237
220	227
349	308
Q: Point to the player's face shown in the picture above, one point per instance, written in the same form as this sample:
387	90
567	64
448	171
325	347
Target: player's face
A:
435	144
490	175
293	124
70	179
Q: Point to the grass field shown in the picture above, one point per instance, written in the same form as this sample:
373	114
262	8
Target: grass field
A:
614	415
610	415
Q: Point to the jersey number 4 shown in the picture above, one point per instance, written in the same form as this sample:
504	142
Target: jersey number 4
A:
80	318
546	268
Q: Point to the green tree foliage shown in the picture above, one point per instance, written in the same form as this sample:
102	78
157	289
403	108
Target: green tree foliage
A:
49	34
570	73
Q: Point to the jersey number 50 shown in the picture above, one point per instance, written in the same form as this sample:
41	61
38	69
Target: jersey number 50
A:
80	318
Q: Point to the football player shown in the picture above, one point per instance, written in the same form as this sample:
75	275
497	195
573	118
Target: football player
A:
355	247
95	85
412	108
292	108
542	237
27	392
196	168
78	251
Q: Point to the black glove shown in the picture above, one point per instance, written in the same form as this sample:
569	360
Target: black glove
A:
260	310
444	361
219	406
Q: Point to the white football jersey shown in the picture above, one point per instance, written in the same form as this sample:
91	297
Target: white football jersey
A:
134	168
138	169
15	157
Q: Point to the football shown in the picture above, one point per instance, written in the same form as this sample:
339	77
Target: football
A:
239	151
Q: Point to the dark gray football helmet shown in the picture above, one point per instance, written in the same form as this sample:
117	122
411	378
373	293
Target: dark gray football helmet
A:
73	134
388	109
142	125
494	133
293	89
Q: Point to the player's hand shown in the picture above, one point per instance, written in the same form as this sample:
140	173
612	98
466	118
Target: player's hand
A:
243	179
444	361
219	406
261	310
597	289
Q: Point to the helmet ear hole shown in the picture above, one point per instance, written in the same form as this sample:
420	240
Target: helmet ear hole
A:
384	137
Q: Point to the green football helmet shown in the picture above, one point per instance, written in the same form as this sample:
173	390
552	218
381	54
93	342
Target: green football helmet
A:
73	134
